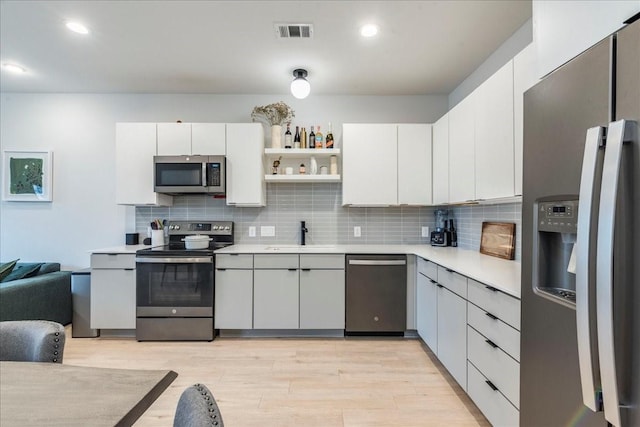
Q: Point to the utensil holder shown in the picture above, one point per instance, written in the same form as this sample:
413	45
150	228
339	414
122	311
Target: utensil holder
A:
157	237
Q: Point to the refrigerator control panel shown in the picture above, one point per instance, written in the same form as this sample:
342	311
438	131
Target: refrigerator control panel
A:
558	216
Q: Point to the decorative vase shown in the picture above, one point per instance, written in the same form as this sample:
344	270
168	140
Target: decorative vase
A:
276	136
314	166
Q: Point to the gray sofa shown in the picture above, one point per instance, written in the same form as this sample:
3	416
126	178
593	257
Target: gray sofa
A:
45	296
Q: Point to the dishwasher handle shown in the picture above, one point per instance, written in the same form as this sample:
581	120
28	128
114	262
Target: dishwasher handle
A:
377	262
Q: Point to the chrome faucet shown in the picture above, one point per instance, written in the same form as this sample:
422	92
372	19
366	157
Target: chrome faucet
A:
303	232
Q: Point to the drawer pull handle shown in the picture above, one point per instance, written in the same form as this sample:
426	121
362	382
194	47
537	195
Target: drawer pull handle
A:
129	269
491	288
221	269
439	285
292	269
490	384
433	281
491	343
491	316
305	269
234	254
449	270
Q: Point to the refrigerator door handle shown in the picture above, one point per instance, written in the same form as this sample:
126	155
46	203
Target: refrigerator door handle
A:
604	270
587	362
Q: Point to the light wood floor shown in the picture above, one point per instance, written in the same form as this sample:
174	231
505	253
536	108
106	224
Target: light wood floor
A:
295	382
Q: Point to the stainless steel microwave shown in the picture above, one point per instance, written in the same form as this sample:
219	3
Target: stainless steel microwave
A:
189	174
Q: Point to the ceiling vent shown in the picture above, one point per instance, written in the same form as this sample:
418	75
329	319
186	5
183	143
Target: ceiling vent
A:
294	31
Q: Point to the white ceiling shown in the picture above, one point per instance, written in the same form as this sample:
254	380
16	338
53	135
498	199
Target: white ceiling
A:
230	47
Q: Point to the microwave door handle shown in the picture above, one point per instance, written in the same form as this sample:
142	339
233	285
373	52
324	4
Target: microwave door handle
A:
587	362
205	178
604	269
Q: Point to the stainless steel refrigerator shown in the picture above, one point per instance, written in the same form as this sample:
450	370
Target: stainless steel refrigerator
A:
580	337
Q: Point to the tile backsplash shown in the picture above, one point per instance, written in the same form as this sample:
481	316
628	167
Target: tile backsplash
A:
328	222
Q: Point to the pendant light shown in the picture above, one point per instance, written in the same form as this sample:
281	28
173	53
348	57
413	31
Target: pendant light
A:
300	87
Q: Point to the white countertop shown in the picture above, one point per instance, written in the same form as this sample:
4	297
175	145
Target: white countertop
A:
124	249
501	274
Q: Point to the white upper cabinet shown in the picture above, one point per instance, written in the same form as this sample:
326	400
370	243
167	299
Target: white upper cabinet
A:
184	139
135	148
441	160
414	161
494	150
462	150
208	139
524	77
370	164
174	139
245	167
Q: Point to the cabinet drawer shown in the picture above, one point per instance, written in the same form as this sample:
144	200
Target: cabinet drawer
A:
275	261
114	260
329	261
506	337
234	261
456	283
428	269
496	365
501	305
492	403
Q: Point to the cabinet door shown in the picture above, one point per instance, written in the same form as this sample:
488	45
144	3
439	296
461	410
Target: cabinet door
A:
208	139
462	150
233	299
414	164
369	164
245	168
276	299
321	299
452	334
135	148
441	160
174	139
494	162
524	77
113	299
428	311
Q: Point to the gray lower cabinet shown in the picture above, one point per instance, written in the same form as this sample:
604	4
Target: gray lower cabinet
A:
233	302
452	334
427	306
321	299
113	291
276	292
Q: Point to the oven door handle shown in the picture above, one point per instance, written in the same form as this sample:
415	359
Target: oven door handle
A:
162	260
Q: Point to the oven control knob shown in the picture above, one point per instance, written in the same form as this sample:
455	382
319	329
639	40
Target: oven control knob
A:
174	311
176	227
227	228
171	227
215	227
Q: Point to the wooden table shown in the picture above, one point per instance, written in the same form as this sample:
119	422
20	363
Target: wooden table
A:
54	394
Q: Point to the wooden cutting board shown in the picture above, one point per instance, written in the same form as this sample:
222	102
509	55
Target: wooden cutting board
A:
498	239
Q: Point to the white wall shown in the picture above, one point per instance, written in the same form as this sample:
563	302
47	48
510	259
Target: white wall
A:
80	130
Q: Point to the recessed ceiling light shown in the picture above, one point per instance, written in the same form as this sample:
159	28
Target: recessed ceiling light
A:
14	68
77	27
369	30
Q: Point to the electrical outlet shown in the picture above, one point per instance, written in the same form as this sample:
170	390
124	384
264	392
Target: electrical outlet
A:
252	231
425	231
268	231
357	232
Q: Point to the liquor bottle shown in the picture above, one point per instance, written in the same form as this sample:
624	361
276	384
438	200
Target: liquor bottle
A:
453	233
303	138
312	138
288	137
329	138
296	138
319	138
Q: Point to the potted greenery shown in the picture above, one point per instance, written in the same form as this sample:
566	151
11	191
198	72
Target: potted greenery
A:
275	115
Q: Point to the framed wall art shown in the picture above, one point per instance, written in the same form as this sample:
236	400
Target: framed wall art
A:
27	176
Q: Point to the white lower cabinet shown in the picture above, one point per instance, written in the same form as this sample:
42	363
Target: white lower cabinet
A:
452	334
427	310
498	410
233	292
113	291
322	299
276	296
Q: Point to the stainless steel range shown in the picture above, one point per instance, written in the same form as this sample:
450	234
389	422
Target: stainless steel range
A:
175	286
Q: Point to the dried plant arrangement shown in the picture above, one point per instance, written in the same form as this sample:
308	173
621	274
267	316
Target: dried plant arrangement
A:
278	113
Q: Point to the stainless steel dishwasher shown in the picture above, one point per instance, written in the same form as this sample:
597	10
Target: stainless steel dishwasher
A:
376	300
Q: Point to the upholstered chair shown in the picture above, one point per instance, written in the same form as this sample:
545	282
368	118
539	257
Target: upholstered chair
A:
197	408
31	341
